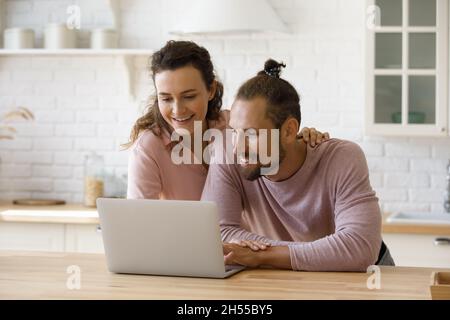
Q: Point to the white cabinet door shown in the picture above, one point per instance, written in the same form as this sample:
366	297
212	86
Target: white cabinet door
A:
83	238
417	250
31	236
407	67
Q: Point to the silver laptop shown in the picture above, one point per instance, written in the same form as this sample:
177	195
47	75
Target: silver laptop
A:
163	237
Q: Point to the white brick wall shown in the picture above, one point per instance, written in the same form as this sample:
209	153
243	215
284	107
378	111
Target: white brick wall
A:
79	107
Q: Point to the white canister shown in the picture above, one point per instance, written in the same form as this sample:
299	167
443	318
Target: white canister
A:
58	36
19	38
104	39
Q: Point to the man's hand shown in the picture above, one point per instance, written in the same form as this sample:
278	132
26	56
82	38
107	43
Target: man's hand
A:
277	257
236	254
252	244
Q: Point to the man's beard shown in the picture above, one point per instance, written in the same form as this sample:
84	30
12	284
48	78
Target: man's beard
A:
254	172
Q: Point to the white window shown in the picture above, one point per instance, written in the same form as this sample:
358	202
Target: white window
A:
407	67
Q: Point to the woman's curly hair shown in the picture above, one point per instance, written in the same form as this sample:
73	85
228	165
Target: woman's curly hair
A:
174	55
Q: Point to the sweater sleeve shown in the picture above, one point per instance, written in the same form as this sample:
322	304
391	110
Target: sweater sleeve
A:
223	187
144	181
356	241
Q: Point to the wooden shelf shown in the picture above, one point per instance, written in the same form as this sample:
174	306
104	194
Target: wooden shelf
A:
76	52
126	56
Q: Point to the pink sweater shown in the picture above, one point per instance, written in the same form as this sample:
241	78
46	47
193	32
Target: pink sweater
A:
326	213
153	175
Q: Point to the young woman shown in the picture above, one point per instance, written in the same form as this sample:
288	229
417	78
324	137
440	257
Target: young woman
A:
186	91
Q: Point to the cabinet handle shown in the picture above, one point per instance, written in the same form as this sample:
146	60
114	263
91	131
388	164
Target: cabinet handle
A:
440	241
99	229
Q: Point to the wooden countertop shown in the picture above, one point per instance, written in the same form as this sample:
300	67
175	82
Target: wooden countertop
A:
67	213
42	275
79	214
414	228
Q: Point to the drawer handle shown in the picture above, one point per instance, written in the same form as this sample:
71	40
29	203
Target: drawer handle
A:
442	241
99	229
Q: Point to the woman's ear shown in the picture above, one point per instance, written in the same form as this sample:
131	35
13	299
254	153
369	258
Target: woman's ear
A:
212	90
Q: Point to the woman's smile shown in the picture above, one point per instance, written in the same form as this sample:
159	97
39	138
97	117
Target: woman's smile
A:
183	119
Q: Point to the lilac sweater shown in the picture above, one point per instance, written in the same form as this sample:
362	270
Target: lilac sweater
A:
326	213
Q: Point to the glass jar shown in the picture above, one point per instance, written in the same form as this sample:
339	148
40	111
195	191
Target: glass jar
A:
93	179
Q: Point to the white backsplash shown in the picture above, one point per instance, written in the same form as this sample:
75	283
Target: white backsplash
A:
80	105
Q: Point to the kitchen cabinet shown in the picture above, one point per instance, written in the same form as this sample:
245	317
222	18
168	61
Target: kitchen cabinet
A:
407	68
74	228
412	250
417	250
68	228
50	237
83	238
32	236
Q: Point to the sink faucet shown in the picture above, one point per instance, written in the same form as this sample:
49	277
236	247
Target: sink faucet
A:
447	196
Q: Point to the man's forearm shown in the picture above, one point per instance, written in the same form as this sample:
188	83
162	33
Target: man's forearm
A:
230	233
277	257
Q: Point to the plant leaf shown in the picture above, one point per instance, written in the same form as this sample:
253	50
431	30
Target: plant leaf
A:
13	115
19	113
27	112
10	129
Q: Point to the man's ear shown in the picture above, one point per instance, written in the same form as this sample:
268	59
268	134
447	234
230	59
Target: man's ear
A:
212	90
290	129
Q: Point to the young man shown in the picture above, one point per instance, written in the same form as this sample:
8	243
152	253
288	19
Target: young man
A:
318	212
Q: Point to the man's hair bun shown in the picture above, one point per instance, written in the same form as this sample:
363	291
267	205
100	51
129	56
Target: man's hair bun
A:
272	68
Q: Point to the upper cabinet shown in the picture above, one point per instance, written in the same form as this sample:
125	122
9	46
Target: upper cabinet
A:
407	67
